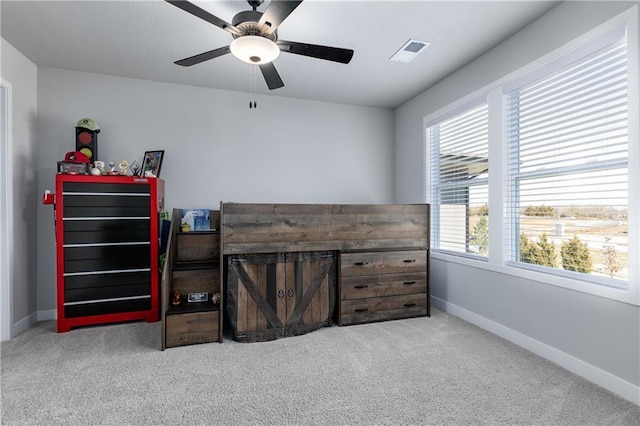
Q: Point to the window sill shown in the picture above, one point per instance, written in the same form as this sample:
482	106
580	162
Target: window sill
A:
630	295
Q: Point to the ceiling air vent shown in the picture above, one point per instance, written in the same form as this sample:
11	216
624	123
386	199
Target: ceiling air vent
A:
409	51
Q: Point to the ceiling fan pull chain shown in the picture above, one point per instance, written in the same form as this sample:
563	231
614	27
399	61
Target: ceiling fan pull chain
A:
253	71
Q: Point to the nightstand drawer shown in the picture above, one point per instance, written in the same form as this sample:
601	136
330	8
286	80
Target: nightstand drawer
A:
366	286
382	308
384	262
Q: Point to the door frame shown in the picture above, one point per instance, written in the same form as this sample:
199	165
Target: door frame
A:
6	213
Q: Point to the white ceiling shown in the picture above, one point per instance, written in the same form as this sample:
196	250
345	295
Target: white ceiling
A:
142	39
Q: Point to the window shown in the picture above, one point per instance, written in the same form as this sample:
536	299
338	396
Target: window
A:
562	202
567	161
459	181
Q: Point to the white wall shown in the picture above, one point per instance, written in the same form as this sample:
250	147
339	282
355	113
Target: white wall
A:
21	74
595	337
216	148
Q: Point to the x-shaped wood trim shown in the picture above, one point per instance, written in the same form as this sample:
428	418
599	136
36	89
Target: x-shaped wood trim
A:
253	291
296	316
264	307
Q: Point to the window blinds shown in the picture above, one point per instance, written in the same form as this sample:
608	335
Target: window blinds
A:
567	137
459	178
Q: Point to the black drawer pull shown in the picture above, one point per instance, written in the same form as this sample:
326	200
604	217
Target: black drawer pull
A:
361	286
408	282
409	305
290	292
361	310
409	260
281	293
361	263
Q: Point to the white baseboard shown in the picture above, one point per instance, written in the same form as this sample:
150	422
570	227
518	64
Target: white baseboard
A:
615	384
51	314
24	324
29	321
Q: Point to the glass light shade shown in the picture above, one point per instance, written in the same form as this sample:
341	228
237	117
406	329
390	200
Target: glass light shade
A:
254	50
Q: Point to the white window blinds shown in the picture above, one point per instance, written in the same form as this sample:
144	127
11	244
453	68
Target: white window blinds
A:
567	157
459	181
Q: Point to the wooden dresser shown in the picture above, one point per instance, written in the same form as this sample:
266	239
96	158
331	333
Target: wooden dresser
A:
373	265
382	285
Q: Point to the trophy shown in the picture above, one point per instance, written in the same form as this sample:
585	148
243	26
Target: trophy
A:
123	166
135	168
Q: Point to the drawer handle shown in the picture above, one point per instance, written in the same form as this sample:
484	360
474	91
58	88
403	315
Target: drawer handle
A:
361	263
290	292
408	305
361	286
280	294
361	310
409	260
408	282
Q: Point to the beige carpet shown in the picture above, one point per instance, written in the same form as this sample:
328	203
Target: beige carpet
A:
438	370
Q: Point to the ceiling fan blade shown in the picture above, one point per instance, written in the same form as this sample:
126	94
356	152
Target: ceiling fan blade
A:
196	59
271	76
275	13
203	14
327	53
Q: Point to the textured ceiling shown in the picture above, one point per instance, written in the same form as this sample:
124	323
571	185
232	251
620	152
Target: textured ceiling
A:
142	39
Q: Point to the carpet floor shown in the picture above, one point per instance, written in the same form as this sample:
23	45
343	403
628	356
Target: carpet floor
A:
437	370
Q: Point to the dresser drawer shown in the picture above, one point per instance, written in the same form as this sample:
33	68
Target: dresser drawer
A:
366	286
109	230
187	329
382	308
93	258
384	262
94	307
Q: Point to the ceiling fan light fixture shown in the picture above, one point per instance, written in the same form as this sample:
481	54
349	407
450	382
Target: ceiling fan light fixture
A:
254	50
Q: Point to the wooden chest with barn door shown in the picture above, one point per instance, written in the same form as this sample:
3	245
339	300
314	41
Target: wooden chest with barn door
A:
276	295
381	267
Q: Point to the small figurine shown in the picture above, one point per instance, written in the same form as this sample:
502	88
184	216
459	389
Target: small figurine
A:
112	168
99	165
175	300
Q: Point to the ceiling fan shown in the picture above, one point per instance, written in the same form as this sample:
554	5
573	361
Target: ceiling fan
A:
255	38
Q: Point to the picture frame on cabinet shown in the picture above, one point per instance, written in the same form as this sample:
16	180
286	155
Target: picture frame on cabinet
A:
152	163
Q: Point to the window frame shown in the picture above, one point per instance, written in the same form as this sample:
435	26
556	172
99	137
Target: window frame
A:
497	260
461	109
513	217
